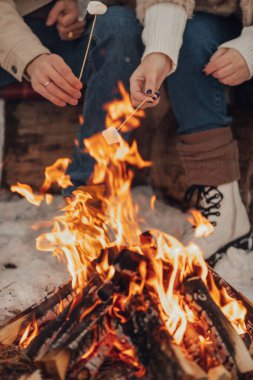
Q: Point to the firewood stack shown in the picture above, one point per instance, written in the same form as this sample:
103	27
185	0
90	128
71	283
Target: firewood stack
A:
103	333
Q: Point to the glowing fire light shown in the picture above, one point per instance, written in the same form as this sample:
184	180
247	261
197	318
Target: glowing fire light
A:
234	310
27	192
118	110
29	334
54	174
152	202
108	217
203	228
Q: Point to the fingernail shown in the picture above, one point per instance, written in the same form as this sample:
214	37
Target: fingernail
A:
149	92
78	95
73	102
158	94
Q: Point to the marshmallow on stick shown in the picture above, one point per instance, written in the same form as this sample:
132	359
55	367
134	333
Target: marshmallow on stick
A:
111	135
95	8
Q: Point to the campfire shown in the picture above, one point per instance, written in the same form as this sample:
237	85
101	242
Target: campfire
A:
139	304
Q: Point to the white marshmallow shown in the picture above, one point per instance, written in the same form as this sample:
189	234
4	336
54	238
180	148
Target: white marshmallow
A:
96	8
111	136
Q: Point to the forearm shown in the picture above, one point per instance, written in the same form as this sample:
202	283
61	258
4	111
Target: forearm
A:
244	44
163	30
18	44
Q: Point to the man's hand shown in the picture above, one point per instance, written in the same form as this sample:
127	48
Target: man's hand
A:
65	15
148	77
228	66
54	80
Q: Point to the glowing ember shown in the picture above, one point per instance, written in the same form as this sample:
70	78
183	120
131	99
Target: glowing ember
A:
29	334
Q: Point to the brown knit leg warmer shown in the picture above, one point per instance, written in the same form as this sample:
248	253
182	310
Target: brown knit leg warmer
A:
210	158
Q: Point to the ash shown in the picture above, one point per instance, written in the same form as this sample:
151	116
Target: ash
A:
27	275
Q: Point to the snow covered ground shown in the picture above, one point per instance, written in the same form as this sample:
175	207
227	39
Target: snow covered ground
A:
27	275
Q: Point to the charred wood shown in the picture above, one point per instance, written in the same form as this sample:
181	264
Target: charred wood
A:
42	313
155	347
237	351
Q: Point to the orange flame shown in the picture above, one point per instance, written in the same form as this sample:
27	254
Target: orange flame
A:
203	228
27	192
118	110
127	354
29	334
104	215
56	174
152	202
234	310
53	174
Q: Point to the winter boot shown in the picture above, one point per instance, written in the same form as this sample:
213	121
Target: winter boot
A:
223	208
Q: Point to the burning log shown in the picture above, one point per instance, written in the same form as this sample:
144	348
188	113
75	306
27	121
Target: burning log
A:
155	347
42	313
197	293
87	368
232	292
61	355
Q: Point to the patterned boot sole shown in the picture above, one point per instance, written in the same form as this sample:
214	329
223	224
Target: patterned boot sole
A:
245	243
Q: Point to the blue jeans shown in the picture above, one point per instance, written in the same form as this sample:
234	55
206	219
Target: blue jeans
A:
115	53
199	101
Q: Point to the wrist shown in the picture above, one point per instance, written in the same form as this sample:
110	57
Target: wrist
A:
30	67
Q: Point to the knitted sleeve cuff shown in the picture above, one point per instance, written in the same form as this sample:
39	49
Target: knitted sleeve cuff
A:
244	44
143	5
163	31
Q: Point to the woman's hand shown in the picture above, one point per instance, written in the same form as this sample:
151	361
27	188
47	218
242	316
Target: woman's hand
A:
148	77
52	78
228	66
65	15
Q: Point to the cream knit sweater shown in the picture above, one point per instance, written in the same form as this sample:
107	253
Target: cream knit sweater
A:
164	26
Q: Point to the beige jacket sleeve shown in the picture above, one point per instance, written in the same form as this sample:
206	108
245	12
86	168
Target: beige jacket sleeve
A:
143	5
18	44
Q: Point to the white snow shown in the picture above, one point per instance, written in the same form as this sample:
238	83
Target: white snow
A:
38	273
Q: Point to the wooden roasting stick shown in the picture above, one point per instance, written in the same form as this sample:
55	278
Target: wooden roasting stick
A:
111	135
197	293
94	8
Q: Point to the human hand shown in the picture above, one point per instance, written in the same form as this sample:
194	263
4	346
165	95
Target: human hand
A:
148	77
52	78
65	15
228	66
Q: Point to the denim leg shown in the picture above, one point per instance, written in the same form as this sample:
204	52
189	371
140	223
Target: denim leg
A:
198	101
115	53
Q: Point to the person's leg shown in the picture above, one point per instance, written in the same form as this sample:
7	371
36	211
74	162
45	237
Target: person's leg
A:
208	150
115	53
